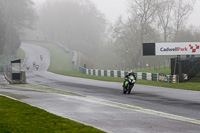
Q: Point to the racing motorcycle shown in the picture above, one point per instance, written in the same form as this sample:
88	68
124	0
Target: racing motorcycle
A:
128	85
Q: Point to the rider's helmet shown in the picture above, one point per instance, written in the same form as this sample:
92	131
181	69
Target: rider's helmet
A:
131	72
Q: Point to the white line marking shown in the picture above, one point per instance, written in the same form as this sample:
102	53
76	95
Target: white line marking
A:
116	104
142	110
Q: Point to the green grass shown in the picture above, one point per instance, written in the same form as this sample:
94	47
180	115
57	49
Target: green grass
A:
17	117
195	86
60	60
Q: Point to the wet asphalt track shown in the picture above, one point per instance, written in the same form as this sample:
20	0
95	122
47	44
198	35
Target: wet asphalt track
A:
110	118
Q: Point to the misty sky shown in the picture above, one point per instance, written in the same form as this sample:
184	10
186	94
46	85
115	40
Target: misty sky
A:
112	11
114	8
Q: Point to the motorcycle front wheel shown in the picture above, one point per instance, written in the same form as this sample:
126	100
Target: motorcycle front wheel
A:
124	90
130	86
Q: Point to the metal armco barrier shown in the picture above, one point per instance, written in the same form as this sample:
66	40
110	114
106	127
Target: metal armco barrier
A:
139	75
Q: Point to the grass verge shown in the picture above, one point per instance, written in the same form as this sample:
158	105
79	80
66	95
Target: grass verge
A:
17	117
60	60
195	86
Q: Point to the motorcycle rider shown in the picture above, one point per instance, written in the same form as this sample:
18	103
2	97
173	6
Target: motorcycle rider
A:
41	57
126	77
37	67
27	67
33	63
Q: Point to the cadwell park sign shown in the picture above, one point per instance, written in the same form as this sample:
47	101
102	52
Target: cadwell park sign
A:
181	48
183	67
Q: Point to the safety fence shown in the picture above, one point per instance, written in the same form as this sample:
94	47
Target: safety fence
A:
139	75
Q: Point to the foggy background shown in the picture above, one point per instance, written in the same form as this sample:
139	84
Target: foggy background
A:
115	8
107	33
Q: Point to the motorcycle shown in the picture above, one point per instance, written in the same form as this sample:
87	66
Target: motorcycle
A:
128	85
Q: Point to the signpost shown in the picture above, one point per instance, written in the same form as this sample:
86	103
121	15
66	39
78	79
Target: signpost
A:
192	48
176	48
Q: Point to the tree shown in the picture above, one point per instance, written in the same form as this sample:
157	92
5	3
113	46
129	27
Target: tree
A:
2	37
165	17
142	14
144	11
136	30
77	24
2	25
182	10
126	40
14	17
148	20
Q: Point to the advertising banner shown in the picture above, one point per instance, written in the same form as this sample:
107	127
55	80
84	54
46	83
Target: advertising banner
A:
182	48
